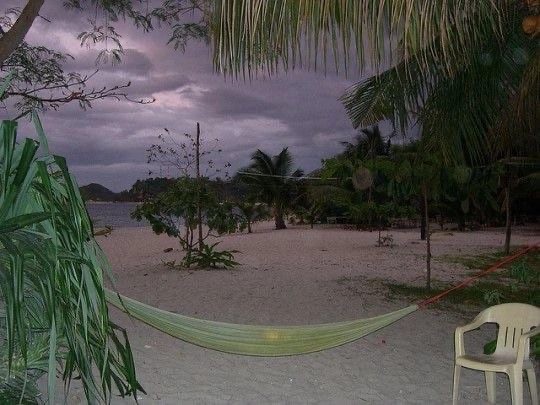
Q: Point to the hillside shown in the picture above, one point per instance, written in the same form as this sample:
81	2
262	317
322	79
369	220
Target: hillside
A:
97	192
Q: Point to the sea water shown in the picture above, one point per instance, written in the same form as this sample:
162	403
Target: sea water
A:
117	215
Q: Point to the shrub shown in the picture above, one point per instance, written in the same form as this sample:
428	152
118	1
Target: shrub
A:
208	256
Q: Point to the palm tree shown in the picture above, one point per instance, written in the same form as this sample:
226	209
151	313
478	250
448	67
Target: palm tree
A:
369	144
273	180
454	65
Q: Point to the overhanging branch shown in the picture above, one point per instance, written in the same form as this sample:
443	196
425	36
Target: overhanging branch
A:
15	36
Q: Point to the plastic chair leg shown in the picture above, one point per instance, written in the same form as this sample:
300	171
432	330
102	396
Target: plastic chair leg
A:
490	385
531	377
516	386
455	391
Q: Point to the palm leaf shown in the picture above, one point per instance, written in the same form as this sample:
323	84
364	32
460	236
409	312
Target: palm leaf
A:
258	35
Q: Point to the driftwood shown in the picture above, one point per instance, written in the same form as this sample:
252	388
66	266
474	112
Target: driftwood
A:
103	231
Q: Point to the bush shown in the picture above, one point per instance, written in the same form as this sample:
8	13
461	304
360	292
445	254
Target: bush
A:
208	256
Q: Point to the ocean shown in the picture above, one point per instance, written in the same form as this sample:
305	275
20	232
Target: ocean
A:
116	215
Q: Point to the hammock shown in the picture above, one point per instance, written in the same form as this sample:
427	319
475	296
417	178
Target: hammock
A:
252	340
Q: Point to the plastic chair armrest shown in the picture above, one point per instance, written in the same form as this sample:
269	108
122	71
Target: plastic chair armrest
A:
460	331
523	344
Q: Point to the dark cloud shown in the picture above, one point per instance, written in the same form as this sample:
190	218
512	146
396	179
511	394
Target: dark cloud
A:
230	102
107	143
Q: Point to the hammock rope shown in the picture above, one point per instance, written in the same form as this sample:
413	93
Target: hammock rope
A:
271	341
469	280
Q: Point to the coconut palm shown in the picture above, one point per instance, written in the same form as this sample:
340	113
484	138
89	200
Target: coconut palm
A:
369	144
273	180
452	65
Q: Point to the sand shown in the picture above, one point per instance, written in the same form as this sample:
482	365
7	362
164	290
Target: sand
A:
301	276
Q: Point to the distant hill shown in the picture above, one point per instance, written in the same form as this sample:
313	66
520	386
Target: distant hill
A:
147	188
97	192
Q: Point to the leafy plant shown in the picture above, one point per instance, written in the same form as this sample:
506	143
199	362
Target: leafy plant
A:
54	312
175	213
208	256
523	273
492	297
249	211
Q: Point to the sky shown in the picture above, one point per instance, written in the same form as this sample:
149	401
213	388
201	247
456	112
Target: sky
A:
107	143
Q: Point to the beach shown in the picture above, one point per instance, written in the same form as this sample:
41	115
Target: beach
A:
303	276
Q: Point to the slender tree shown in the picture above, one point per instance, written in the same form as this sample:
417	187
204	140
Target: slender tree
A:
250	211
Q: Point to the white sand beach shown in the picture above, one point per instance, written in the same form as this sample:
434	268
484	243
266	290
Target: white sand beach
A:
301	276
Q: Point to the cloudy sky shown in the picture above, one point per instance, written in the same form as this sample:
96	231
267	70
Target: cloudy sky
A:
107	143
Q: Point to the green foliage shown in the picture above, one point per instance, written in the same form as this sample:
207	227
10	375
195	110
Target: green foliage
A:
54	312
144	189
473	262
277	36
208	256
518	282
248	212
271	179
175	213
524	273
493	297
473	102
524	276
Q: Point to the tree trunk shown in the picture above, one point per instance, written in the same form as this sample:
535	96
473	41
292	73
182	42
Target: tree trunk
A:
461	223
508	217
15	36
428	240
422	220
249	226
278	219
198	167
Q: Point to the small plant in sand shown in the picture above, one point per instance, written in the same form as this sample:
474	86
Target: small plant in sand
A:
250	211
385	240
189	210
209	256
175	212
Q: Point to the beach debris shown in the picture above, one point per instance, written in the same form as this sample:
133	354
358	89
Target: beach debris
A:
104	231
167	250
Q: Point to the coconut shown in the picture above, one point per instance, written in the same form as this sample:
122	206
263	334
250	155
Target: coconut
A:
531	24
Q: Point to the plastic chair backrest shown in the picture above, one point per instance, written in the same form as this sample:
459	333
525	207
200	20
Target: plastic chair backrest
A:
513	320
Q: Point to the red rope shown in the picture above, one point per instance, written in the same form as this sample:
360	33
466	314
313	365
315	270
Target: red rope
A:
469	280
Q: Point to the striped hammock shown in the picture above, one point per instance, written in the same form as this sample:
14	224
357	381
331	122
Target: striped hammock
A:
252	340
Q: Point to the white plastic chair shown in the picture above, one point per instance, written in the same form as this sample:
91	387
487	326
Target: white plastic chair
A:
517	324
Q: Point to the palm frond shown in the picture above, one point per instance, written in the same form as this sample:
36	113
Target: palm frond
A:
461	114
260	35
